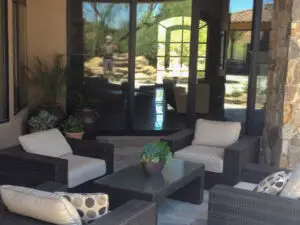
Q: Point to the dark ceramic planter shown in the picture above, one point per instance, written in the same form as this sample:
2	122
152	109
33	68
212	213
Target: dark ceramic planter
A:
151	169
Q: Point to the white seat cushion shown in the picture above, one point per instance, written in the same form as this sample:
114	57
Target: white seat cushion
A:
48	143
245	186
40	205
82	169
216	133
211	157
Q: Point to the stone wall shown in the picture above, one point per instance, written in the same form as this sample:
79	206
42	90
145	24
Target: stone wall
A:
282	117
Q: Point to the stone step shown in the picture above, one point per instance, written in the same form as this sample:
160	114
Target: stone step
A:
129	141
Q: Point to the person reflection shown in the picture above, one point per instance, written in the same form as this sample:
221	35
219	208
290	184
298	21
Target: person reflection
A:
108	49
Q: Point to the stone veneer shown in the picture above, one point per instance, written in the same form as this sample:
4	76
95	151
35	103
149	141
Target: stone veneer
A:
282	115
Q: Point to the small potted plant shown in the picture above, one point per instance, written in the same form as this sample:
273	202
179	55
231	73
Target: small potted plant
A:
154	156
73	127
43	121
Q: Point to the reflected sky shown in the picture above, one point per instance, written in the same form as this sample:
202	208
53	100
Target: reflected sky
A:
238	5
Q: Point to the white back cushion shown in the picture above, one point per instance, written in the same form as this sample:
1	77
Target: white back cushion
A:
40	205
49	143
216	133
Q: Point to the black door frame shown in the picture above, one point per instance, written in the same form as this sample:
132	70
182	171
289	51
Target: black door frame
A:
252	86
75	58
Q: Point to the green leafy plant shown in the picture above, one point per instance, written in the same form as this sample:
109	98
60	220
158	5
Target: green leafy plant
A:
50	78
156	152
43	121
73	125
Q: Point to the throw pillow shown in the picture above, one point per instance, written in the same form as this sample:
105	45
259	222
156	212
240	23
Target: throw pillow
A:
48	143
89	206
216	133
292	188
274	183
40	205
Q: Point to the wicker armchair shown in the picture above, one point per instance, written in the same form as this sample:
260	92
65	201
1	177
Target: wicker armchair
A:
232	206
244	151
21	168
135	212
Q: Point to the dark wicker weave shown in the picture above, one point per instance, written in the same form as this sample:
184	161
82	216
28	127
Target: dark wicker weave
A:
231	206
135	212
21	168
244	151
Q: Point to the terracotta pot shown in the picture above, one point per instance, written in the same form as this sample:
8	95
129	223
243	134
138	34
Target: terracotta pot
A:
78	135
151	169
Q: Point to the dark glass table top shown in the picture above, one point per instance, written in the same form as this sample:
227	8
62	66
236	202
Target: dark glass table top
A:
175	173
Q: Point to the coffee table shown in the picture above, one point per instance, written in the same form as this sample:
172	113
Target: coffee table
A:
180	180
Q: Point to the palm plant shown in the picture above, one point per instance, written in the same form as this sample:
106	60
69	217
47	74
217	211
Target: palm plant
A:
50	78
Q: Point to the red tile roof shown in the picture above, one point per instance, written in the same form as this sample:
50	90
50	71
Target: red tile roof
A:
245	16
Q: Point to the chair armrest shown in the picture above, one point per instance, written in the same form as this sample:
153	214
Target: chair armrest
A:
52	187
236	156
22	168
232	206
179	140
135	212
255	173
94	149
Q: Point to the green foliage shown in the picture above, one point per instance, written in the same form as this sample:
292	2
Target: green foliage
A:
149	17
156	152
73	125
50	78
43	121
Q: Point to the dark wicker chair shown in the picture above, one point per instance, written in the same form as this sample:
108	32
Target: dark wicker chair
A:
244	151
21	168
232	206
135	212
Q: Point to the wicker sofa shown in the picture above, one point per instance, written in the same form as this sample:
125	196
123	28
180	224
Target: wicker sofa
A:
234	206
21	168
244	151
135	212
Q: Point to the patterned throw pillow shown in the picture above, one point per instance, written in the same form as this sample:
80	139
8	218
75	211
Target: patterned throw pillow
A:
274	183
90	207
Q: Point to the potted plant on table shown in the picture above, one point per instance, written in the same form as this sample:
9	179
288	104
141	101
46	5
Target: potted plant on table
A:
73	127
154	156
43	121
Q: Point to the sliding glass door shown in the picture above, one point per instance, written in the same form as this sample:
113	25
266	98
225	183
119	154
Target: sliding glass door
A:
132	63
105	61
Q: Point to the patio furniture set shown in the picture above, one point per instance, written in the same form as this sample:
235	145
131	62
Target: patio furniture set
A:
86	166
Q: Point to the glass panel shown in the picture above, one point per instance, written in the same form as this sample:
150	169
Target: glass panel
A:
161	51
163	39
175	49
237	72
176	36
3	96
202	50
186	36
262	67
162	32
185	49
200	75
20	82
203	34
106	32
201	64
